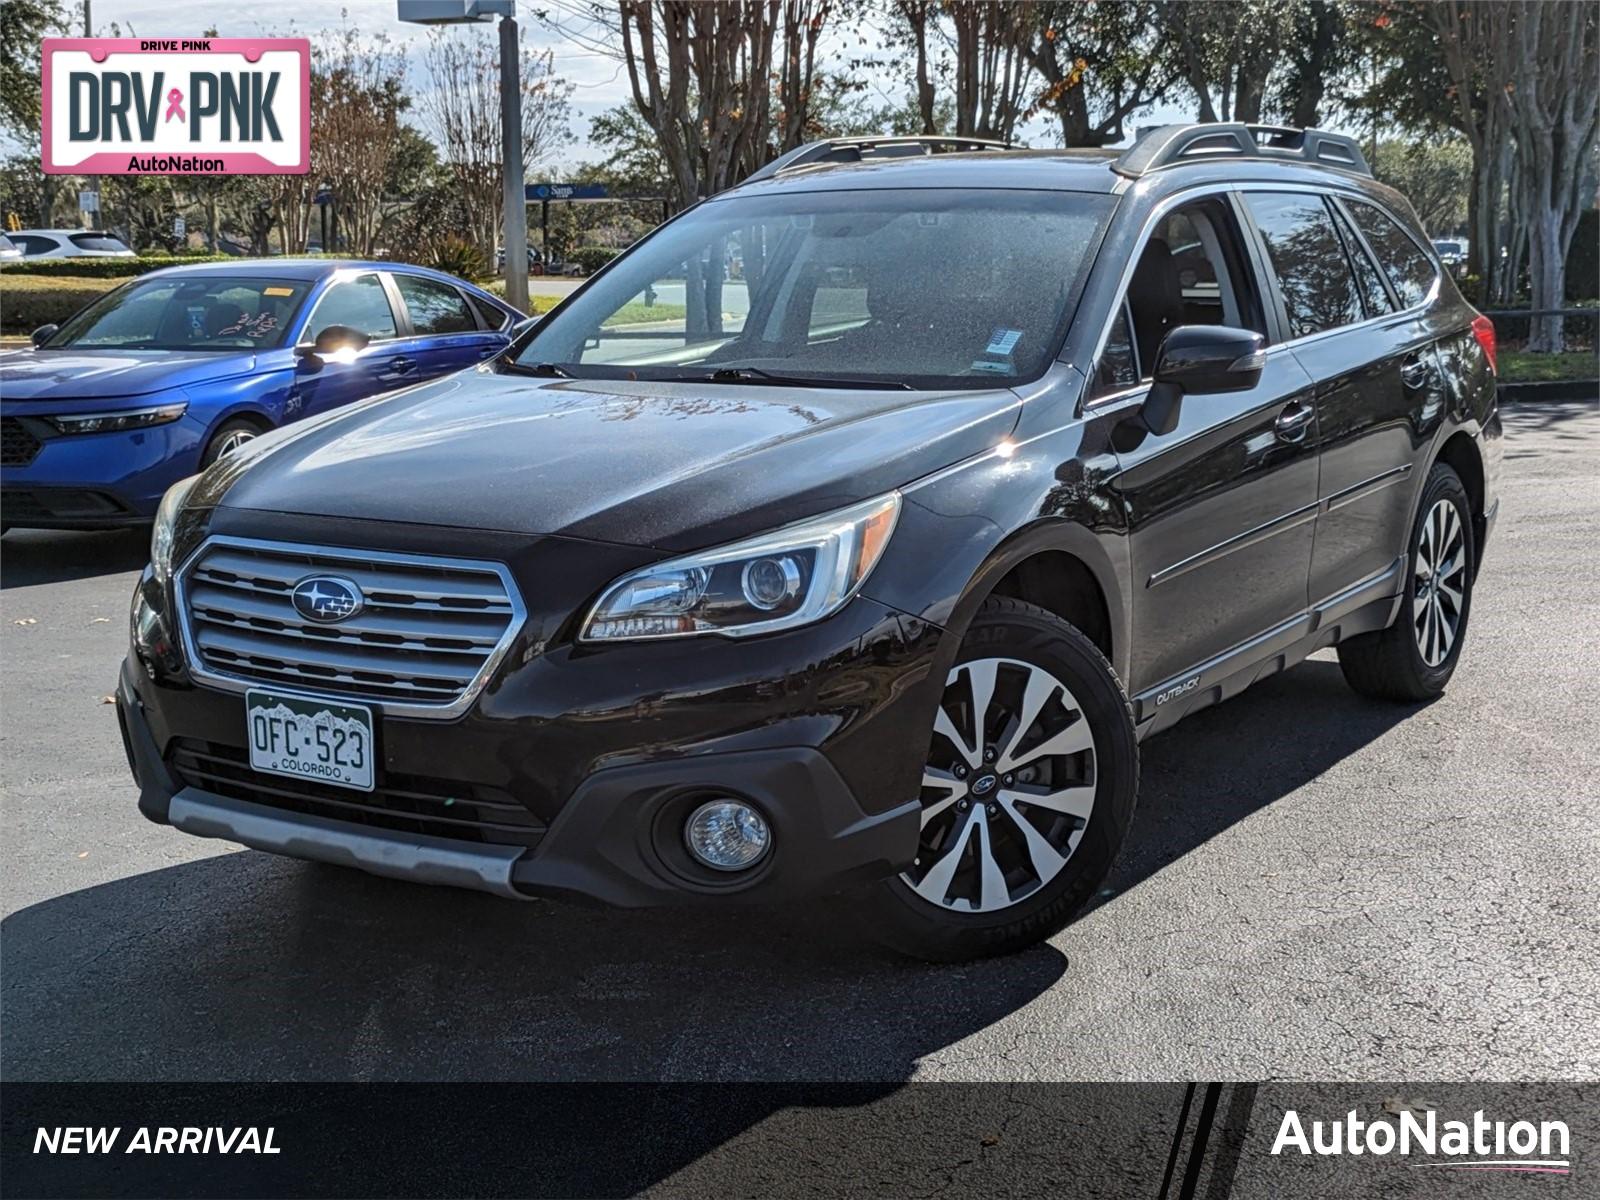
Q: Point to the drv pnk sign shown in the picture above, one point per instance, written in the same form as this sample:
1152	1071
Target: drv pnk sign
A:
196	106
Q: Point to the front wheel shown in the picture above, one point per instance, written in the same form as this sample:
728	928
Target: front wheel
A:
1414	658
1026	796
230	437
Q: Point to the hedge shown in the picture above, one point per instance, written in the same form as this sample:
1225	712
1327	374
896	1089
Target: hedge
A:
29	301
592	258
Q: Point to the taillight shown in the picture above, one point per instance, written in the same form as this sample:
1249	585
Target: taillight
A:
1483	330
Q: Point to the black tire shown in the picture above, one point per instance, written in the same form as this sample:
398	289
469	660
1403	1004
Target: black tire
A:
1389	664
227	434
1012	629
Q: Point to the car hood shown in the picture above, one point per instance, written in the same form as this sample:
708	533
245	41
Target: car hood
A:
103	374
673	466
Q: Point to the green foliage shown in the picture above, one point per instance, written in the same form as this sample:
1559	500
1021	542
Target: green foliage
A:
29	301
101	268
23	23
1523	366
120	268
455	256
592	258
1434	174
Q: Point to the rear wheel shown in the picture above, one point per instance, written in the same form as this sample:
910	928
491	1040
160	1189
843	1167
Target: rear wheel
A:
1414	658
1026	796
228	438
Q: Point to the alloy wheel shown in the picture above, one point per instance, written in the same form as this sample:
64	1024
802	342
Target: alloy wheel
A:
1008	789
1440	583
233	441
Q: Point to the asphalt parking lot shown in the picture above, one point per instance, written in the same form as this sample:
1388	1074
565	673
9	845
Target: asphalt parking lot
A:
1315	887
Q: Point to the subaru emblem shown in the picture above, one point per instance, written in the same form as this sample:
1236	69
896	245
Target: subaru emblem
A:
326	598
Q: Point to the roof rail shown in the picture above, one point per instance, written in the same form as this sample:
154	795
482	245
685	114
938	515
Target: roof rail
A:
1170	145
858	149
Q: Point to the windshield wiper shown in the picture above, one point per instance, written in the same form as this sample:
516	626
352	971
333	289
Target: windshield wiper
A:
547	369
759	375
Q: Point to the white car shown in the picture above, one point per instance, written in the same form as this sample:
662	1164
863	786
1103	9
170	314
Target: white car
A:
69	243
8	249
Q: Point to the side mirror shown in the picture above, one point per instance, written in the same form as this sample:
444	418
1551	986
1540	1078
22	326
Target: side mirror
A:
525	324
332	340
43	334
1201	359
1197	359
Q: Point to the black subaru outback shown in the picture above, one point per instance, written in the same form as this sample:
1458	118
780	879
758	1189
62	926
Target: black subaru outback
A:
854	528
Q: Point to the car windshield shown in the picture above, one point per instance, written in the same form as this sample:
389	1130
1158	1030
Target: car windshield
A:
213	313
926	288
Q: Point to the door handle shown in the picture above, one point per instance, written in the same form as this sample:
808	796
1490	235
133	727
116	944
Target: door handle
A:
1416	372
400	364
1293	421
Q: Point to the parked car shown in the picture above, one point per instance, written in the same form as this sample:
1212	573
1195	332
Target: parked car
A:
1452	253
8	248
175	369
69	243
881	581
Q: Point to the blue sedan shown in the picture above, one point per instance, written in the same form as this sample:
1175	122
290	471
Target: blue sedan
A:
166	374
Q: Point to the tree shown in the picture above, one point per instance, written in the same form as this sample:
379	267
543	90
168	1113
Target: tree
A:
1319	50
23	24
1435	174
1553	53
357	96
1101	62
463	108
913	21
1228	51
803	22
992	69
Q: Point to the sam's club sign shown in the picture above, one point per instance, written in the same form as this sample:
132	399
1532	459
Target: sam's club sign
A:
199	106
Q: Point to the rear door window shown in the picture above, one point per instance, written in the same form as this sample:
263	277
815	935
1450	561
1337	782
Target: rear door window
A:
434	307
1403	261
103	242
1314	276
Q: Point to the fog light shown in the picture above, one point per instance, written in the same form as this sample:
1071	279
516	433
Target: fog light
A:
727	835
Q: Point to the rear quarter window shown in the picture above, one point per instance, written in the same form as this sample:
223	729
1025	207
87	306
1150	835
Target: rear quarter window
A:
1409	269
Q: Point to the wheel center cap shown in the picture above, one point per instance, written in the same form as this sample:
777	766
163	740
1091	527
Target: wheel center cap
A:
983	785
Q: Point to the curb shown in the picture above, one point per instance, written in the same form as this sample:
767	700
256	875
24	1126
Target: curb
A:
1555	389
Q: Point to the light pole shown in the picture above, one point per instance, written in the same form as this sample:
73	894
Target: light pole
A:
515	230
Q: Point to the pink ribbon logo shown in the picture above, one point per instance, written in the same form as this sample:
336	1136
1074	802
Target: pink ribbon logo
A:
175	105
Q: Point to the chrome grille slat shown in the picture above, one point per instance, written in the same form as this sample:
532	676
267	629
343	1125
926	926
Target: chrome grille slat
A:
475	634
417	606
431	633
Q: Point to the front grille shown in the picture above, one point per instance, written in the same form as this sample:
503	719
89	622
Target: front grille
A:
408	803
429	634
18	447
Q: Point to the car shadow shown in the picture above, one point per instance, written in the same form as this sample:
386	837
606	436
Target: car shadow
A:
1224	763
243	966
29	557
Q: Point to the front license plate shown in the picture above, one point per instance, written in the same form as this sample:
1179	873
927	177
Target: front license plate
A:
310	739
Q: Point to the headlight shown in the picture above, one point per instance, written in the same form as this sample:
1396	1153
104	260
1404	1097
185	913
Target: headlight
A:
789	577
111	422
166	519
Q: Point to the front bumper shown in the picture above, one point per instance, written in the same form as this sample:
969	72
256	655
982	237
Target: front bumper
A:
824	730
100	480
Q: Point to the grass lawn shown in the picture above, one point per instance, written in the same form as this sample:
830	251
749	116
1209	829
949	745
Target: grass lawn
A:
1519	366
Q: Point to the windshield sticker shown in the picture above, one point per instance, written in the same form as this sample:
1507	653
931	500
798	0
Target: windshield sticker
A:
994	368
1003	341
277	291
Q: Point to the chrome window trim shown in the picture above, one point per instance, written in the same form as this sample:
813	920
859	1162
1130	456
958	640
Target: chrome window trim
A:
435	712
1201	191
